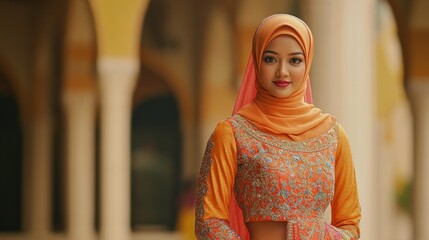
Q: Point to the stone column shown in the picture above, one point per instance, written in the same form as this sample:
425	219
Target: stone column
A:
41	177
79	106
38	144
419	90
117	78
344	85
118	28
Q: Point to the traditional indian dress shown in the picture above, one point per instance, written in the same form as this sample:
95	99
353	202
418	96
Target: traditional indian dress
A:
275	179
277	159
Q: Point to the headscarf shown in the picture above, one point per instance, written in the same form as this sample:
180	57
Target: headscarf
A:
293	117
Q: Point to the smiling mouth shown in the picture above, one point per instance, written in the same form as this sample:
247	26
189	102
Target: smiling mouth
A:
282	84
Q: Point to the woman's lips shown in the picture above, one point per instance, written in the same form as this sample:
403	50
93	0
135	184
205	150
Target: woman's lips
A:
281	83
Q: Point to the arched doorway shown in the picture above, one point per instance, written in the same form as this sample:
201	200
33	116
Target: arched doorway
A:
11	159
156	157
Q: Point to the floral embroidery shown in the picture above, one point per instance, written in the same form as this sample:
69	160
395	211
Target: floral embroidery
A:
282	180
277	180
209	228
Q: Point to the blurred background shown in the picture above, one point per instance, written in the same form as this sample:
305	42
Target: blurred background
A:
106	107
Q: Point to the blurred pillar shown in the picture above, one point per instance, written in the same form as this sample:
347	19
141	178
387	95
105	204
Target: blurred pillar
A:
117	81
420	102
344	85
40	207
79	106
118	27
38	148
78	101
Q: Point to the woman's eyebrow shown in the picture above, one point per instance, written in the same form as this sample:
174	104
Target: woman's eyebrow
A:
270	51
274	52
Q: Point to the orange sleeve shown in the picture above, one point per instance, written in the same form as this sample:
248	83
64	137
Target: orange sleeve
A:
345	207
215	185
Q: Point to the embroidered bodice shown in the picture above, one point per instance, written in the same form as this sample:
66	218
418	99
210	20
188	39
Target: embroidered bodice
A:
280	180
274	179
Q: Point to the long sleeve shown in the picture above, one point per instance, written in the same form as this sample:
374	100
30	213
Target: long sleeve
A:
345	207
215	185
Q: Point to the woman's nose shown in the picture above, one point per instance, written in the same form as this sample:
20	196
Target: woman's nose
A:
282	71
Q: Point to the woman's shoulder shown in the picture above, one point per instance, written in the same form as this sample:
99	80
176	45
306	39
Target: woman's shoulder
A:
223	127
229	125
341	134
222	134
340	129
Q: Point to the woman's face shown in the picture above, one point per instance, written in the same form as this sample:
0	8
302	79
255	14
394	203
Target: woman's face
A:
282	67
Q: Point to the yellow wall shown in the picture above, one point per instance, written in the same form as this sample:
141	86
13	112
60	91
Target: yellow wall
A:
118	26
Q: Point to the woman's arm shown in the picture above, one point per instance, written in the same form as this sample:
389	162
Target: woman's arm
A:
215	185
346	212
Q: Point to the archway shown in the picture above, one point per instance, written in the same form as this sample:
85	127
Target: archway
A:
11	158
156	154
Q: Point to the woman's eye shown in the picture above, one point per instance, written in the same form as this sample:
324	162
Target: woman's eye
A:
295	60
269	59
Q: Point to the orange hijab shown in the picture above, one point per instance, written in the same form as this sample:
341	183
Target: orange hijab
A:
292	117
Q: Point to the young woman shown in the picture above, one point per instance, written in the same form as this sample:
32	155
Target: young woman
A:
271	170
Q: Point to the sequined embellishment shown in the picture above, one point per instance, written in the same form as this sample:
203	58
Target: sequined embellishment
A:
282	180
209	228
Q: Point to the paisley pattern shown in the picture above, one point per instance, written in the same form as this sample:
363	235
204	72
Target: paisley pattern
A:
277	180
280	180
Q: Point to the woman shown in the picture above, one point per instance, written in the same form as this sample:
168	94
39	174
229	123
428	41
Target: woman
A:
271	170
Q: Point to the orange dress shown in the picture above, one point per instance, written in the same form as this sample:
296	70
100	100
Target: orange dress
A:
274	179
